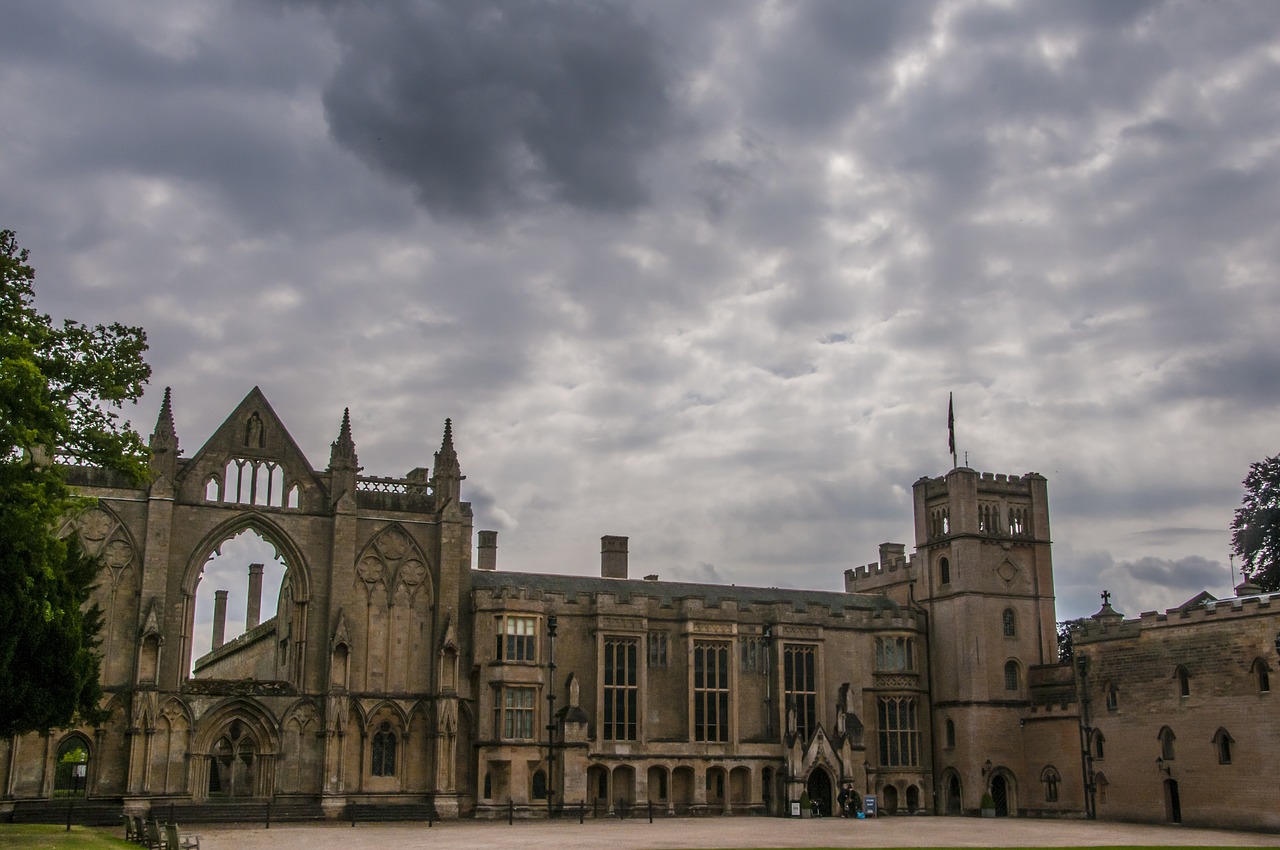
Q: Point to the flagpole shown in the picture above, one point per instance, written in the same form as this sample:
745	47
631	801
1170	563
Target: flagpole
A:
951	429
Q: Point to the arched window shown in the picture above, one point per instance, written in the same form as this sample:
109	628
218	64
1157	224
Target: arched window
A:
1011	676
951	733
1113	696
1167	738
1050	777
1184	681
1100	782
944	571
1010	625
1099	742
1262	673
540	785
1222	741
384	751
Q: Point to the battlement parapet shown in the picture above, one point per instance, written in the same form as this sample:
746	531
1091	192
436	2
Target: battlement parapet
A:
1232	608
880	573
987	482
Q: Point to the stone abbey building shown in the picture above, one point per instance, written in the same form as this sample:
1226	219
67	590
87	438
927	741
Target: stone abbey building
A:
399	672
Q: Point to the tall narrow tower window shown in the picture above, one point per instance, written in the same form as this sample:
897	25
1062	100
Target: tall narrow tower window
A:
1010	624
1184	681
1011	676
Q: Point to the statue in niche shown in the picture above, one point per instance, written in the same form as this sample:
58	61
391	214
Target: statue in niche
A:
253	431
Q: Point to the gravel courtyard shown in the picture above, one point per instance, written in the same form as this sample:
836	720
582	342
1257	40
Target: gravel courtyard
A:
719	832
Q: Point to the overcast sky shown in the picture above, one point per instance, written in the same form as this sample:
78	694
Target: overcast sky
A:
702	274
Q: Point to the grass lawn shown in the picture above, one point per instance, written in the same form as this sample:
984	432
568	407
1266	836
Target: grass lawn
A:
40	836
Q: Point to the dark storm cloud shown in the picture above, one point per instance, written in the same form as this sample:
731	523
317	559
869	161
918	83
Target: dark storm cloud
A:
482	107
836	213
1192	572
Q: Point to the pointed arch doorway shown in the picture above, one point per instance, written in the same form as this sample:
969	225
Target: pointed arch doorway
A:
819	787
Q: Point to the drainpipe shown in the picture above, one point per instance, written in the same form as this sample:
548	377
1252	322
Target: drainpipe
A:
1086	742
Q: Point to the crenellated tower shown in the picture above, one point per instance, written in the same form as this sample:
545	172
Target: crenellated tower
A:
985	575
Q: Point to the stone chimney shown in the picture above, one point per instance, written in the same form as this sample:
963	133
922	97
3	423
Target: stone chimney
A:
219	617
892	552
613	556
487	551
253	606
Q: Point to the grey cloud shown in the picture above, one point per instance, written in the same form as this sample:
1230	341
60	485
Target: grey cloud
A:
1246	379
482	107
830	57
1192	572
704	573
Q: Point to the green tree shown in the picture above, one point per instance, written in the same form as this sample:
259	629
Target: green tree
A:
1255	531
1066	638
61	390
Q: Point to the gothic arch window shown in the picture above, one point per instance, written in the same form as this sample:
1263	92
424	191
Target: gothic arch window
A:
1011	676
1099	742
1009	623
540	785
1051	778
384	751
1166	738
1113	696
1184	681
1262	675
944	570
951	734
213	489
1222	742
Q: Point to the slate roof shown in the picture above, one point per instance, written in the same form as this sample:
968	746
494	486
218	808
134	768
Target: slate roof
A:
669	592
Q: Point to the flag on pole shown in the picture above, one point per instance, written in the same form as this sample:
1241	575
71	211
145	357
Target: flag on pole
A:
951	425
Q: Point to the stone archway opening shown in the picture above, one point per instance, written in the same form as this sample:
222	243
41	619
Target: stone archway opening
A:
820	790
1000	793
954	798
889	804
71	771
234	763
247	571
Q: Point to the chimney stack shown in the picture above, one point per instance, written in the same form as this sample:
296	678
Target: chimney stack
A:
219	617
253	608
613	556
487	551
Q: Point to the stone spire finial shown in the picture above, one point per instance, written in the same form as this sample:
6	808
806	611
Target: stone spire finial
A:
446	475
164	439
342	452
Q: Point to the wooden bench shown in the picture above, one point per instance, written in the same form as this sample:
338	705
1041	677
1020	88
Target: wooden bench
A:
152	837
179	841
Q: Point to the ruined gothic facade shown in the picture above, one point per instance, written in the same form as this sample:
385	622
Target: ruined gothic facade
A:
395	672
